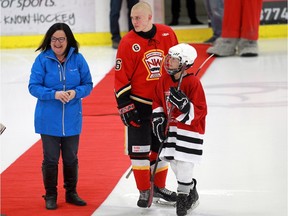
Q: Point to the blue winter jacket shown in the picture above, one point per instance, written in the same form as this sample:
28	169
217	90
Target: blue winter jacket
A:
48	75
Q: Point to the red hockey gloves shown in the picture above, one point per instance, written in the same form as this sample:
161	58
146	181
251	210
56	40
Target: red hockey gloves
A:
179	100
159	125
129	115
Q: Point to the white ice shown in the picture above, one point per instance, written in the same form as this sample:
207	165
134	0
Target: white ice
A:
244	168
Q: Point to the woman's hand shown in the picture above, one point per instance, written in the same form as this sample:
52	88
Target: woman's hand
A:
63	96
72	94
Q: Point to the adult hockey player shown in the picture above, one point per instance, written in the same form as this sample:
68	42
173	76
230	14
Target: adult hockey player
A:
183	142
139	62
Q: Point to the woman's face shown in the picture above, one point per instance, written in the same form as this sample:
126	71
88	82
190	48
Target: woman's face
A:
59	43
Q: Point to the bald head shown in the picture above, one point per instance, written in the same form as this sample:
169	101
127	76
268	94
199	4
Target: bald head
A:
143	6
141	17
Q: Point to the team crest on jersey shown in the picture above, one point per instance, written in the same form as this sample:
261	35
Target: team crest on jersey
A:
136	47
153	60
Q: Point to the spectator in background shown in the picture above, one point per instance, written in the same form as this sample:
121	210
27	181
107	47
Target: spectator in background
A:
115	8
240	29
191	9
214	10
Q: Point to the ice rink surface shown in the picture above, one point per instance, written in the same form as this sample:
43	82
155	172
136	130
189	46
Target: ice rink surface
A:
244	168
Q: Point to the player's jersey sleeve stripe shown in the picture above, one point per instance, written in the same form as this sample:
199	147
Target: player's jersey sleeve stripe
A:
141	100
122	91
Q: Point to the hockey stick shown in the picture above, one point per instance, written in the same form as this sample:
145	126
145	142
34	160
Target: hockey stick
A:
2	128
162	143
129	173
207	59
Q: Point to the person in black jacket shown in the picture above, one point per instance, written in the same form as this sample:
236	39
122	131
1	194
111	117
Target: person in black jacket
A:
115	8
191	9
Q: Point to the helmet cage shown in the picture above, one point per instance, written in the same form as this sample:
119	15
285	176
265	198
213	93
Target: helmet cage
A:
170	61
173	65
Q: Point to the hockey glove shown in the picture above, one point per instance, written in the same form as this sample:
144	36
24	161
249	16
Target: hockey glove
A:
129	115
158	125
179	100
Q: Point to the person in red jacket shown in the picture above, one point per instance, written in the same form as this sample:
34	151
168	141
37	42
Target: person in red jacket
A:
178	119
240	29
138	67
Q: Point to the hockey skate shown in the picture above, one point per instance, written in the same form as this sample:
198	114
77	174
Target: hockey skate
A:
181	204
163	196
143	199
187	202
193	198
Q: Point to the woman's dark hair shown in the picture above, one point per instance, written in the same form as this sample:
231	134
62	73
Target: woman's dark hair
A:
71	41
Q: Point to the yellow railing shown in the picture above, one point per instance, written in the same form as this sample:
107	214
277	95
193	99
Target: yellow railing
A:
187	35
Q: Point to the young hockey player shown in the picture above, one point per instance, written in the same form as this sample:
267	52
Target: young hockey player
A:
178	119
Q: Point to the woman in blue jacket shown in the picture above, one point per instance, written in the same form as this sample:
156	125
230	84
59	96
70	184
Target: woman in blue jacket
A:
60	78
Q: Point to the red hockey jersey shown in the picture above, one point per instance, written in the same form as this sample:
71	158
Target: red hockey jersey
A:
139	64
185	134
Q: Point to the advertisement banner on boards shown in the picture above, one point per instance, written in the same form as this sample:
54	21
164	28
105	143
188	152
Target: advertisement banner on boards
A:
24	17
274	12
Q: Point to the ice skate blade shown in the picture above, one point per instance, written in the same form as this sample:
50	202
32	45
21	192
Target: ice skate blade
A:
193	207
164	203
